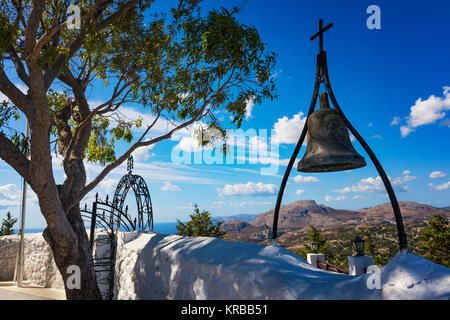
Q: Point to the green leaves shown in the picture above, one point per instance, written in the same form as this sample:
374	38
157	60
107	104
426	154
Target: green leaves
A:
7	225
8	34
182	65
200	225
315	236
435	240
105	134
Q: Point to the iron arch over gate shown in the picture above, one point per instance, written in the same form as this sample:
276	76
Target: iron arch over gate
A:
143	200
110	217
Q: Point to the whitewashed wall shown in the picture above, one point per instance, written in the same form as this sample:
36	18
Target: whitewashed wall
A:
157	266
39	266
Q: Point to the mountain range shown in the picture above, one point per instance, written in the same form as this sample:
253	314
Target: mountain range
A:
299	215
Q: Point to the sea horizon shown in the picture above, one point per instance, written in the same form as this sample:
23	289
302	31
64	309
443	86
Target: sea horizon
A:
160	227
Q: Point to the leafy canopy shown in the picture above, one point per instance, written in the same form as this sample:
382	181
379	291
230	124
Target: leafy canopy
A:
435	240
179	65
200	225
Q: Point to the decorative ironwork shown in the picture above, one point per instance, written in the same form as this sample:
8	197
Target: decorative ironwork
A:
322	77
143	200
106	218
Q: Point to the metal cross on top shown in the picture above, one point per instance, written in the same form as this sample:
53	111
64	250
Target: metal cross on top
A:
130	164
320	33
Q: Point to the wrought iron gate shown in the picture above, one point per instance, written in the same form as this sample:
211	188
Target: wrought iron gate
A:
105	218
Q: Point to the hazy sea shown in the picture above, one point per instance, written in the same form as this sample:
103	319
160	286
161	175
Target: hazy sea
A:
162	227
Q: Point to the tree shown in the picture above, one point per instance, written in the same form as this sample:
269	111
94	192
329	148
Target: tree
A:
200	225
435	240
7	225
372	251
180	66
315	235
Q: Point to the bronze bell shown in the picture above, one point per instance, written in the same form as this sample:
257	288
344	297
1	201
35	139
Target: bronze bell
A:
329	147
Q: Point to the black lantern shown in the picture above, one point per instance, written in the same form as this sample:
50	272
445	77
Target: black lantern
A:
314	246
358	246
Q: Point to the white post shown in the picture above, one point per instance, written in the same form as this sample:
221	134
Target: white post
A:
21	257
358	264
313	257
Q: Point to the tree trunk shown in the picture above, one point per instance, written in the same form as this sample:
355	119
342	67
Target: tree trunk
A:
81	257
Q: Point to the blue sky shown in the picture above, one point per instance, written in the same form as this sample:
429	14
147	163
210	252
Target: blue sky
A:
391	83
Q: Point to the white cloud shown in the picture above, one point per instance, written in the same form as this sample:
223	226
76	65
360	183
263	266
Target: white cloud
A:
248	109
406	172
132	114
199	130
437	174
303	179
441	187
10	191
404	131
170	187
395	121
258	145
289	130
11	196
299	192
109	185
376	185
142	153
405	178
329	198
427	111
188	144
154	171
276	73
248	189
377	136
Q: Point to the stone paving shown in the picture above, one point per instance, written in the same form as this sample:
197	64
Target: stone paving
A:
9	291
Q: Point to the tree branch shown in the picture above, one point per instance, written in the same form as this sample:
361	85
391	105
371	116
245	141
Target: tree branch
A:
33	24
20	68
136	145
17	97
77	43
15	158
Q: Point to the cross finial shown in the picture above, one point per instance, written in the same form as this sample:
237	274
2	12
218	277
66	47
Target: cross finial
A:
320	33
130	163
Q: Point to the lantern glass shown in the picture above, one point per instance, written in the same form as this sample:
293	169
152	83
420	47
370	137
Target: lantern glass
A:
358	245
314	246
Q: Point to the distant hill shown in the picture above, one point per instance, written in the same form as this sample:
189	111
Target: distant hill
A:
244	217
298	216
409	209
446	208
302	213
